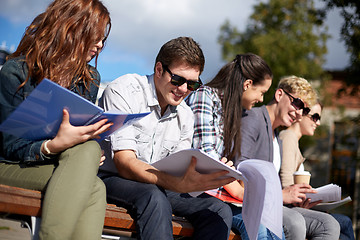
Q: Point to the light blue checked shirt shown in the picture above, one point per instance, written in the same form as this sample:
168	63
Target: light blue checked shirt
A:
208	126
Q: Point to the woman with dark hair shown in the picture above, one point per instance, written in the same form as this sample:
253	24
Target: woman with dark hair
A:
58	45
218	108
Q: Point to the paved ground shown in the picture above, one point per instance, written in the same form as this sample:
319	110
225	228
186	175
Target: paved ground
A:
11	230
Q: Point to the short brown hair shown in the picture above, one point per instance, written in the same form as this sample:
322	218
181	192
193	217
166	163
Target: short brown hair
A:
182	49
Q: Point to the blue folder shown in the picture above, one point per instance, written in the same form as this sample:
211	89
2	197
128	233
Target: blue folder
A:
39	116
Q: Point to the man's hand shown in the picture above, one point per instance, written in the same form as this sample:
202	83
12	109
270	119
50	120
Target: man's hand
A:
193	181
296	193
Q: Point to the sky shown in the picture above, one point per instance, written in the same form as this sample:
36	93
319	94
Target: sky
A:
141	27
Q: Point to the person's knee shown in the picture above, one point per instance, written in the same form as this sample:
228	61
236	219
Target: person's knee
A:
294	224
221	209
155	201
88	153
153	210
296	228
332	226
91	149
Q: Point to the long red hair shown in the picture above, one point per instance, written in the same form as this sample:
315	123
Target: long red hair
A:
57	42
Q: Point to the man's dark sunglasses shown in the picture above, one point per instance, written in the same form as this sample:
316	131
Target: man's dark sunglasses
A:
298	104
178	80
315	117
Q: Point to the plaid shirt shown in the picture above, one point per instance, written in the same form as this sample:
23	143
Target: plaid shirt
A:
208	125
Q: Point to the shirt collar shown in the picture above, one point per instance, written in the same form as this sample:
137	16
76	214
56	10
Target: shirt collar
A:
153	100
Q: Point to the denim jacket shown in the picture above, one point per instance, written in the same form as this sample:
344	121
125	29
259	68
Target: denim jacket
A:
13	73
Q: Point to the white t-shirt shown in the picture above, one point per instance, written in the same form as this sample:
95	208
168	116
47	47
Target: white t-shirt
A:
277	158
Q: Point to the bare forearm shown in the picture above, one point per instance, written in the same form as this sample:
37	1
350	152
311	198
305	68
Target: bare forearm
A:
137	170
130	167
235	189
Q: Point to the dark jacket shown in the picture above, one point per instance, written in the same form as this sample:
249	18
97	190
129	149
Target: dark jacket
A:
13	73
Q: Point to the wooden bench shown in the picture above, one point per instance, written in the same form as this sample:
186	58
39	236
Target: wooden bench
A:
26	202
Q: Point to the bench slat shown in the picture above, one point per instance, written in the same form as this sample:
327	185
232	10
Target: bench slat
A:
20	201
27	202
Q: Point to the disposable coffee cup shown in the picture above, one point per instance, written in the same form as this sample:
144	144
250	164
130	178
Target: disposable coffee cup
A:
302	177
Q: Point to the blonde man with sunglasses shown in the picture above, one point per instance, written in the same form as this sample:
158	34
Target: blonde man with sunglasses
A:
152	196
260	141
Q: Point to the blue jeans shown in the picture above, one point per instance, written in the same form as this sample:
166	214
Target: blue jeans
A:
152	208
238	226
346	229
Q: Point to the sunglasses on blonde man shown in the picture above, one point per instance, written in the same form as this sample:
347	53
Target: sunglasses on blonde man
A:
298	104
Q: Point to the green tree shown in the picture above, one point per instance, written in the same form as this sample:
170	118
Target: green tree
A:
350	32
289	35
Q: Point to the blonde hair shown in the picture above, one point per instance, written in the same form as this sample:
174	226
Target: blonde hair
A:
301	87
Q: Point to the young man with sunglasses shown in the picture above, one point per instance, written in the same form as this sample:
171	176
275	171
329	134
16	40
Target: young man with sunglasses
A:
152	196
260	141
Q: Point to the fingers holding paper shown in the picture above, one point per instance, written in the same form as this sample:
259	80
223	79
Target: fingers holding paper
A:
102	158
193	181
69	135
307	203
228	162
296	193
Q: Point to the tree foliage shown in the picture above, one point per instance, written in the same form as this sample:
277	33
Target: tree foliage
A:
350	32
289	35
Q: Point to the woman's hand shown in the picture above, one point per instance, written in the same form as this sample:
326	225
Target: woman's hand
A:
69	135
229	163
102	159
307	203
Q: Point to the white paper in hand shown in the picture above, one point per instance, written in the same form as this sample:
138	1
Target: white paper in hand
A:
176	164
262	197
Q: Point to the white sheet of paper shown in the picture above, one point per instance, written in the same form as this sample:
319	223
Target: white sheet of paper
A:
328	193
262	186
331	205
176	164
262	192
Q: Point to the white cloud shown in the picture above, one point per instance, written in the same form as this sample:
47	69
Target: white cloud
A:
141	27
22	11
